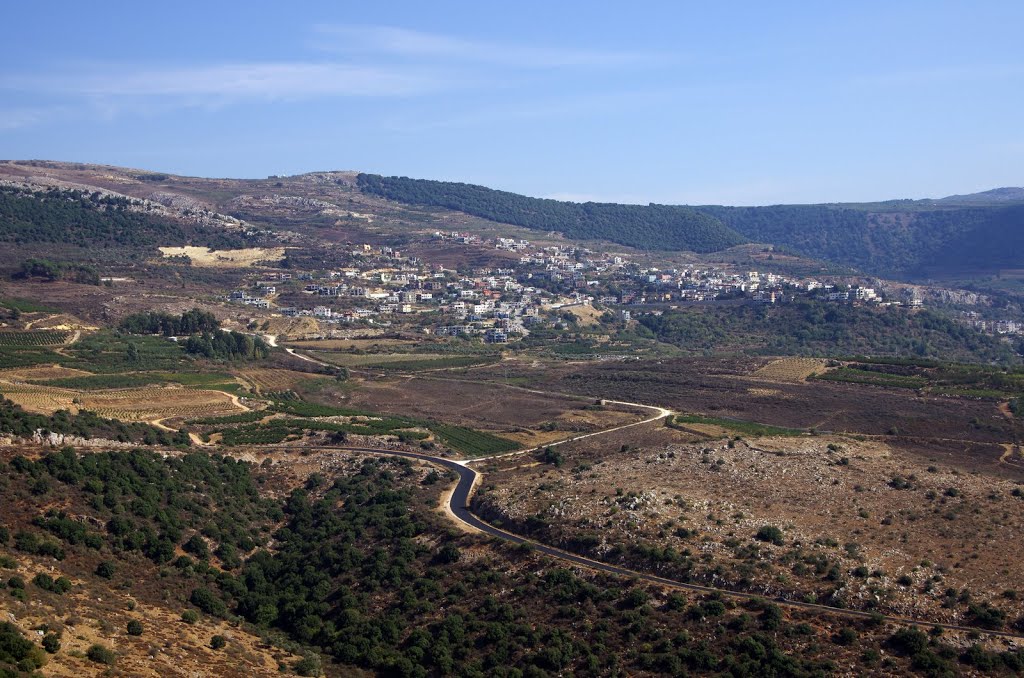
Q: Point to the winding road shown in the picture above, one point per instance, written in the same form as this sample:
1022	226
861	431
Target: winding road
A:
458	506
460	499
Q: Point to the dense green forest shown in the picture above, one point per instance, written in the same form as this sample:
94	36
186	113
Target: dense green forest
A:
91	220
657	227
816	328
901	240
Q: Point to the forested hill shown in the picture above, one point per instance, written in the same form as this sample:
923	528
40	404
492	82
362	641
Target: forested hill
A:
899	239
656	227
91	220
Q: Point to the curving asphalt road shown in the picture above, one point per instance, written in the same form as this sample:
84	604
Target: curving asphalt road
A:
459	506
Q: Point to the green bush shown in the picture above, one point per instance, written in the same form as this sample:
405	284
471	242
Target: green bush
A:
51	643
770	534
101	654
16	649
134	628
206	601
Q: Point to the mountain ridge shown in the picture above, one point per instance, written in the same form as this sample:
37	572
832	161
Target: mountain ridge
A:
971	236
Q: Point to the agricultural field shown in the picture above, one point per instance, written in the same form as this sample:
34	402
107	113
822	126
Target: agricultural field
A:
471	442
41	399
26	305
41	373
147	404
271	380
402	361
721	388
793	370
134	404
22	357
9	339
717	426
370	344
855	375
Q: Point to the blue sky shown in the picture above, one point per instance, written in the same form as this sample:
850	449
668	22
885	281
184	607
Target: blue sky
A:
671	102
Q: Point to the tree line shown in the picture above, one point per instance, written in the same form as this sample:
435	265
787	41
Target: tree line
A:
656	227
193	321
94	220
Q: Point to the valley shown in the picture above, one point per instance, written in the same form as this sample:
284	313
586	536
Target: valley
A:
299	425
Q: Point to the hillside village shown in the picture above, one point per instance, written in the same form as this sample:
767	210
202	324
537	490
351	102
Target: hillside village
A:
383	287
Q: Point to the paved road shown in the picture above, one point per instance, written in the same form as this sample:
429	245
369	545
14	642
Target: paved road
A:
459	503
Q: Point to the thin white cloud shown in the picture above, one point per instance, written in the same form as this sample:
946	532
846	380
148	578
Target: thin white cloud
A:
238	81
402	42
941	76
18	118
359	62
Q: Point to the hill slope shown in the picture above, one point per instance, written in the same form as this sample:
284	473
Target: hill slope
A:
658	227
901	238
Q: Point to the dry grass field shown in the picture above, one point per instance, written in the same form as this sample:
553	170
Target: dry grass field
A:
207	258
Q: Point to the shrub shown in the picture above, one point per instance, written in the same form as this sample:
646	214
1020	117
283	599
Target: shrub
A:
101	654
207	602
909	641
309	665
449	553
106	569
16	649
553	457
770	534
51	643
218	642
190	616
771	618
846	636
986	616
635	598
134	628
